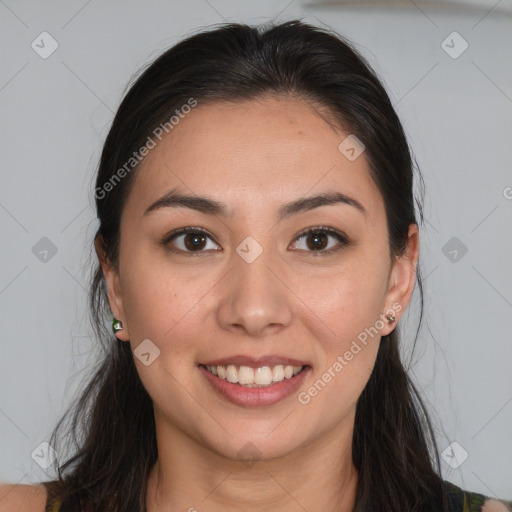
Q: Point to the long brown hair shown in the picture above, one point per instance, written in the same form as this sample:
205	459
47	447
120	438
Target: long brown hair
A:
109	432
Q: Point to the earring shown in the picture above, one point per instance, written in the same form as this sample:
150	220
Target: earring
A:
117	325
390	317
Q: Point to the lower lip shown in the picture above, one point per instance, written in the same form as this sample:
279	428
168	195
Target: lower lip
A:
256	397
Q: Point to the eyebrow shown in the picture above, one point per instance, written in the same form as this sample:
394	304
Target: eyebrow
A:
175	199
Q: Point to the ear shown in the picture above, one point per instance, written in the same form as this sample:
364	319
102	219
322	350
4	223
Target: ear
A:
402	279
115	297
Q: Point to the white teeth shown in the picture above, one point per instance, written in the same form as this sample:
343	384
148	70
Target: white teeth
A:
263	376
245	375
254	377
231	374
278	373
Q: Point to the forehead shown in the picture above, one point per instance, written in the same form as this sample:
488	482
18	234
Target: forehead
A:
253	155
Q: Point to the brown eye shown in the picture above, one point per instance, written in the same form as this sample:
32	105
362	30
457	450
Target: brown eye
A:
188	240
194	241
317	239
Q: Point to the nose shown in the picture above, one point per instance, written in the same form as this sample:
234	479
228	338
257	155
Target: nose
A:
255	299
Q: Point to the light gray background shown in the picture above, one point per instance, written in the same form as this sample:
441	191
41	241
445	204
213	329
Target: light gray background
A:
457	113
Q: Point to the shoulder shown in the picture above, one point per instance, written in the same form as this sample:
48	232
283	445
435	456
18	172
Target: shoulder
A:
460	500
496	506
22	498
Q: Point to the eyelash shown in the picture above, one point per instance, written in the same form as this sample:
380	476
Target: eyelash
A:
342	239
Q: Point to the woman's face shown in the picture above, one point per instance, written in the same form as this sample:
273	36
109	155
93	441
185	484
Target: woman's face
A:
252	286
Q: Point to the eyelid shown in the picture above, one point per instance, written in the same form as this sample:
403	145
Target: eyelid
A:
186	230
341	236
343	240
326	229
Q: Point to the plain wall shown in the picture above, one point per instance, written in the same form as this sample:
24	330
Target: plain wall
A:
457	113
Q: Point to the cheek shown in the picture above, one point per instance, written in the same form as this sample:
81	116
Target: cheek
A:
346	324
346	331
154	299
347	298
166	302
159	307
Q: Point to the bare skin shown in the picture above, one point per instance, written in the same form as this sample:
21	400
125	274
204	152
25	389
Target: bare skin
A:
30	498
255	156
22	498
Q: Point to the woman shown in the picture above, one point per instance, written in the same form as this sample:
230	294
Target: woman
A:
258	244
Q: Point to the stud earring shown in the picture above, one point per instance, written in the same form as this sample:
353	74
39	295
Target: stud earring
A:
390	317
117	325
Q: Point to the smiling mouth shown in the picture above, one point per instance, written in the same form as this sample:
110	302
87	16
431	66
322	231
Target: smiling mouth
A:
261	377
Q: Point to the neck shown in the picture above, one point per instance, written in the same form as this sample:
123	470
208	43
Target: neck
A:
191	477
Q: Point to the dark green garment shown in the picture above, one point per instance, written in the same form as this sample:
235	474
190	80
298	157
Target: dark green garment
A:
460	500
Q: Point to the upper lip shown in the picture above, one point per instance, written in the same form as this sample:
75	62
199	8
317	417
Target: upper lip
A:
256	362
